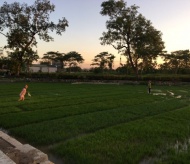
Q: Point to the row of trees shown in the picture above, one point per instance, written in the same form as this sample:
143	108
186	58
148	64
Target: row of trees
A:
103	60
176	62
69	60
128	31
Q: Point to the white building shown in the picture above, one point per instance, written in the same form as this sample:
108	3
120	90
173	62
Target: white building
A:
43	68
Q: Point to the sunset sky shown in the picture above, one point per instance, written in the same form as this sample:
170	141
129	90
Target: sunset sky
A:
171	17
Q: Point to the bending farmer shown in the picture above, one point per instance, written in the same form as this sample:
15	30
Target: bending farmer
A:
149	87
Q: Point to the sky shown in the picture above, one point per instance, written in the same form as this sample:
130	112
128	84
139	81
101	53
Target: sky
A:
86	26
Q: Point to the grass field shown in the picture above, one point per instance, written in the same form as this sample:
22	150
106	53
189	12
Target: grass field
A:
101	123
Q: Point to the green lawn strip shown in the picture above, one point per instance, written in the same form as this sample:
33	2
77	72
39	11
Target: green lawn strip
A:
51	92
69	89
97	91
27	117
50	103
174	156
57	102
44	98
10	109
61	96
37	104
49	132
78	101
9	99
148	140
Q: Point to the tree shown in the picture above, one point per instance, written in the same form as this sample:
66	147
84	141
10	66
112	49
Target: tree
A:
1	51
52	56
147	65
28	57
177	60
62	59
110	60
15	58
4	63
72	59
130	33
103	59
184	56
24	23
8	63
49	57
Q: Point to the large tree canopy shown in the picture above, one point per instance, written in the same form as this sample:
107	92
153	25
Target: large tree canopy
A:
129	32
73	58
27	57
103	60
21	24
70	59
56	57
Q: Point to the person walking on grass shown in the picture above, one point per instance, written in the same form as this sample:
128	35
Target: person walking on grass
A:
22	93
149	86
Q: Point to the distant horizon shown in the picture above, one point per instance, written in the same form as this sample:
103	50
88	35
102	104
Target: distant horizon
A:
86	26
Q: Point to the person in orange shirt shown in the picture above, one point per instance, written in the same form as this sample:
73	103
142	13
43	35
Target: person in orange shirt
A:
22	93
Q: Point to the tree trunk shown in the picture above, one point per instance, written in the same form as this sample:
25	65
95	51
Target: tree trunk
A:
18	70
134	67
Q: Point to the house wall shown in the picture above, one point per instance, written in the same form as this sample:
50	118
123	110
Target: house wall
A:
49	69
34	69
43	69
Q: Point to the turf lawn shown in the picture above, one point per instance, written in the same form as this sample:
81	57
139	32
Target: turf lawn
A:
100	123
